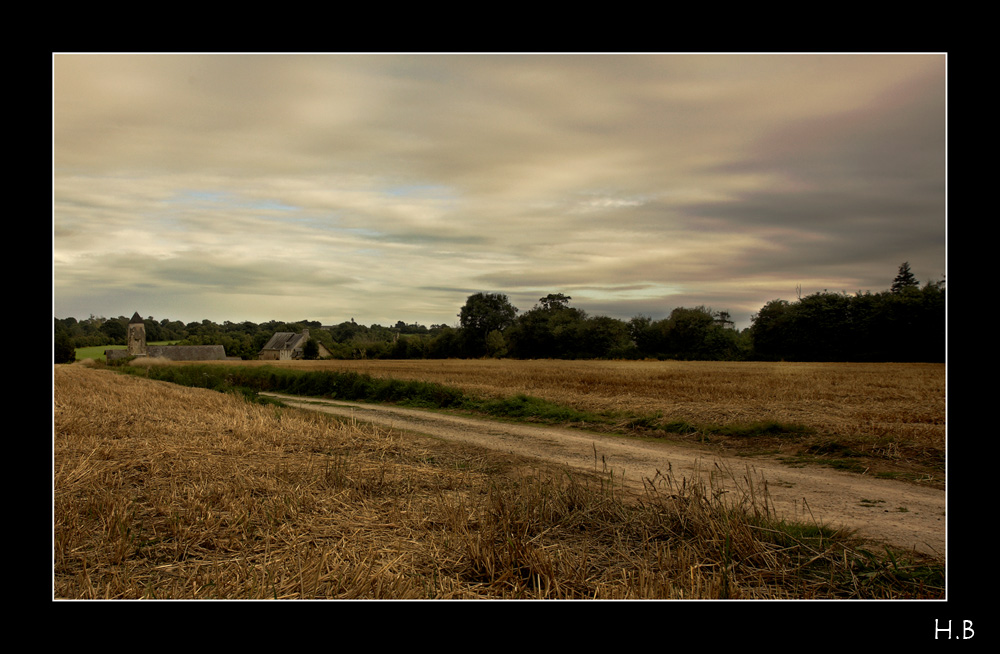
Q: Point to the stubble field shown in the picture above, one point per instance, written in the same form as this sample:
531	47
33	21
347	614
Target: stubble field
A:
168	492
886	417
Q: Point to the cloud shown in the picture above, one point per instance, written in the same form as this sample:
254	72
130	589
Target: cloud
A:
337	186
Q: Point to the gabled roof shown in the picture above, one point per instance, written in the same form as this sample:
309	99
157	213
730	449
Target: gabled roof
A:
284	341
136	318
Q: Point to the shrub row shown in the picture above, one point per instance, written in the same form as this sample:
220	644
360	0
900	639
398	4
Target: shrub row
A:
360	387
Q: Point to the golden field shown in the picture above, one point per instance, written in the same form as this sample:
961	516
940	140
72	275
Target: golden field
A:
893	412
165	492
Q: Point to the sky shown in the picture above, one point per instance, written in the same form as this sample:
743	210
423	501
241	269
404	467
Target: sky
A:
390	187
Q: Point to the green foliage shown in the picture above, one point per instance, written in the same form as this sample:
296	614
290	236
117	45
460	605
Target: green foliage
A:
688	334
353	386
733	430
349	386
603	337
482	314
115	330
496	345
549	330
63	349
904	279
554	330
554	302
526	407
311	349
905	323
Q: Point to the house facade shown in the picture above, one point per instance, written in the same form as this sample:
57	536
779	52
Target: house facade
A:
284	346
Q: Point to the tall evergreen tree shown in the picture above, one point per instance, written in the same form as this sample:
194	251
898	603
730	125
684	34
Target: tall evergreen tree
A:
904	279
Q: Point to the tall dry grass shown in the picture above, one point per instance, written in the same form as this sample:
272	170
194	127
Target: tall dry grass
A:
175	493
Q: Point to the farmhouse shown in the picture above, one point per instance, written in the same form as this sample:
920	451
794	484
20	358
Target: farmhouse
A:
137	347
288	345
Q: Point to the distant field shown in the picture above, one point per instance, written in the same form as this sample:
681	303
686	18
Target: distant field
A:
892	415
875	398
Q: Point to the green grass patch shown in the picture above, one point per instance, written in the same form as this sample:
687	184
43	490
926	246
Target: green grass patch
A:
526	407
786	534
834	449
770	429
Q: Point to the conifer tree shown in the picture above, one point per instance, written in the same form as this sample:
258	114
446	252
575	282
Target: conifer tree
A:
904	279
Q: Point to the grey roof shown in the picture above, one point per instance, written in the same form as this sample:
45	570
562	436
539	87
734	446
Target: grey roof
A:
176	352
284	341
188	352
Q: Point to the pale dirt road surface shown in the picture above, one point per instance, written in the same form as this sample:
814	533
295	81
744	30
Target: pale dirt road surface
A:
896	513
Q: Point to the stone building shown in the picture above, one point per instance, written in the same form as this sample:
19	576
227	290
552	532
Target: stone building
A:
136	347
284	346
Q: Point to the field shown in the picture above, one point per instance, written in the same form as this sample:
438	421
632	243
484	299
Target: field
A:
886	418
169	492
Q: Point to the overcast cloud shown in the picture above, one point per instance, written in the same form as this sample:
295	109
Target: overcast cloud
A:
392	187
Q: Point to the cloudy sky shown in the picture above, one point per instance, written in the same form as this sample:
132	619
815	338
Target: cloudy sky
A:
391	187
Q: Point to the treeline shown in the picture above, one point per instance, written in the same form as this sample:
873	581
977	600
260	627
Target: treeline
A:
904	323
348	340
242	339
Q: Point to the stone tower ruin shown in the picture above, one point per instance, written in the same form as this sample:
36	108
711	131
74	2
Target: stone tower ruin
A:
137	336
136	346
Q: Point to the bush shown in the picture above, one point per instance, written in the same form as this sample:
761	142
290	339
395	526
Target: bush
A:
64	352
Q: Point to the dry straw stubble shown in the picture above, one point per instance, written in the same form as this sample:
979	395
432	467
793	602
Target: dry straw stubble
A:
175	493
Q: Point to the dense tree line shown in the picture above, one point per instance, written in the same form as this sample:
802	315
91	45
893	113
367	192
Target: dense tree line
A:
904	323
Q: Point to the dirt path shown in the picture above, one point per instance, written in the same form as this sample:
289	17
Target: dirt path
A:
900	514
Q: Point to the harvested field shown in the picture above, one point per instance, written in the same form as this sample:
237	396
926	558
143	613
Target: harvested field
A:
836	395
891	416
168	492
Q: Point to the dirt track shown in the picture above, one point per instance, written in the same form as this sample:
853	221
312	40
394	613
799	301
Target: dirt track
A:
897	513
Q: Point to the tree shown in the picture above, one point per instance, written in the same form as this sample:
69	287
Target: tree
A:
310	350
115	330
768	329
496	346
904	279
604	337
549	330
554	301
482	314
820	328
724	320
63	348
444	344
687	332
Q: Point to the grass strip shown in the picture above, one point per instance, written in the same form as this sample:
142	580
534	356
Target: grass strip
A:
360	387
